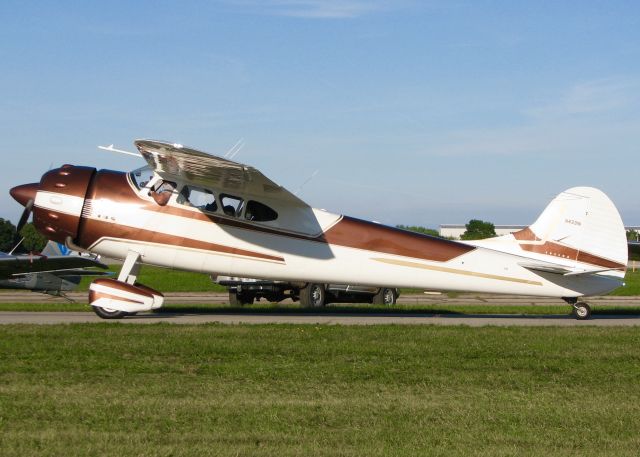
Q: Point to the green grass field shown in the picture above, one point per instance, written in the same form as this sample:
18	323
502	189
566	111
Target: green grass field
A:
166	280
163	390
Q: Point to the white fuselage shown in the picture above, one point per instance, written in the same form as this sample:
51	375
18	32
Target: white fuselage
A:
179	237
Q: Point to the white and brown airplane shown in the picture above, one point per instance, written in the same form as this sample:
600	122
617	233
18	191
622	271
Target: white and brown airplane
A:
204	213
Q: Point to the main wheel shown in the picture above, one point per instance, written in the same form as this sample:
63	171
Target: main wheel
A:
233	298
313	295
385	296
108	313
238	299
581	311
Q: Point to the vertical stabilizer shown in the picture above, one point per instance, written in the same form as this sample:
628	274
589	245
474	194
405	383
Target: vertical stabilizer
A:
580	224
55	249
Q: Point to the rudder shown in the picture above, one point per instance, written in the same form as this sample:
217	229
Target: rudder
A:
584	220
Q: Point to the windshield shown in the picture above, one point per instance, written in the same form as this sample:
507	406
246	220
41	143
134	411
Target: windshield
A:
141	177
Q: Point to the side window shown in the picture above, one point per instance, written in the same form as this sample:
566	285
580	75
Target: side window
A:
231	205
197	197
259	212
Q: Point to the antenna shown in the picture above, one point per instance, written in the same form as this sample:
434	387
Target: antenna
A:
313	175
110	148
231	153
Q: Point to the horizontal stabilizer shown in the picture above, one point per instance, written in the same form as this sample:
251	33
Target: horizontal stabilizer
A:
546	267
561	270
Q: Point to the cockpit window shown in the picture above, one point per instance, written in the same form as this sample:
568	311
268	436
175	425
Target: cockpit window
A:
231	205
141	177
259	212
197	197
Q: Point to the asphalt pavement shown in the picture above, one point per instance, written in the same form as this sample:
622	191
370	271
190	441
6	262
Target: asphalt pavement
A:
500	320
293	317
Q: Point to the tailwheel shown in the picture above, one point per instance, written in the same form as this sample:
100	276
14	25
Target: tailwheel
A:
581	311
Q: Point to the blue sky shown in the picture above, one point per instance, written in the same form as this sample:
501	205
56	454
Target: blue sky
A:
413	112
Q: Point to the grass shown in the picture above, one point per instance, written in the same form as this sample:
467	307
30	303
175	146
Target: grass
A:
117	390
166	280
632	285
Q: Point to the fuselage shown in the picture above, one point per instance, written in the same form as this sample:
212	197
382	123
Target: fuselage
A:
108	213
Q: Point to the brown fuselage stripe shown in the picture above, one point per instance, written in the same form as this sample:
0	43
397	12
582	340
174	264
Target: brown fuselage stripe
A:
526	234
348	232
359	234
95	296
95	230
558	250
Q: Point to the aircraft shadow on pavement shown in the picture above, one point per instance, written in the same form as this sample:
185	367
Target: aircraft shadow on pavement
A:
169	312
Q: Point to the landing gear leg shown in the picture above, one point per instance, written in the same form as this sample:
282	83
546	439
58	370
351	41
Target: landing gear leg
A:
581	310
130	268
128	273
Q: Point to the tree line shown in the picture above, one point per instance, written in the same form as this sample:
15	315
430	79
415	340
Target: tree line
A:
475	230
32	240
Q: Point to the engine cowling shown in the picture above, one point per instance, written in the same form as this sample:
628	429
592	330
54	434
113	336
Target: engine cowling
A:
60	200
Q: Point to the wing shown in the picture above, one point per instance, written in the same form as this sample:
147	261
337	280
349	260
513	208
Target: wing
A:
19	265
176	161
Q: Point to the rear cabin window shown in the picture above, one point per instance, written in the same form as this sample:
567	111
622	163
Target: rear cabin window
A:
197	197
231	205
259	212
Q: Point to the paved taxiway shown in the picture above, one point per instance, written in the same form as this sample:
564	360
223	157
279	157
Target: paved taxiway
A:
15	296
218	316
44	318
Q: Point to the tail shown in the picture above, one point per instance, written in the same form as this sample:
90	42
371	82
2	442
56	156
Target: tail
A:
581	225
55	249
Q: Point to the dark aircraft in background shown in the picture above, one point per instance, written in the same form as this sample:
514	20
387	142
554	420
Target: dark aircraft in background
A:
55	271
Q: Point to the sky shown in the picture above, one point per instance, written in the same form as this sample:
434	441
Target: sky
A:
404	112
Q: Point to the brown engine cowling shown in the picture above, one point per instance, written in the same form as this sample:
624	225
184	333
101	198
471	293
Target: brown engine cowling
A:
61	195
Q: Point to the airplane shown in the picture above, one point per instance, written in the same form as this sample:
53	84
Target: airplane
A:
194	211
53	272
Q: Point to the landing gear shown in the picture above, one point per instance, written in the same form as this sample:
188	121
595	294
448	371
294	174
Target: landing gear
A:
128	274
313	295
581	310
385	296
237	298
108	313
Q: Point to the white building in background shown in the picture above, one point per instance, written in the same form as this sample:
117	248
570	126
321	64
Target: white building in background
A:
456	230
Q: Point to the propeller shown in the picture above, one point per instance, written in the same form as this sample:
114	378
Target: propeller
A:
26	196
28	207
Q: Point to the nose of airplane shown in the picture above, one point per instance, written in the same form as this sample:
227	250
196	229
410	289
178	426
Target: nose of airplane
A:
24	193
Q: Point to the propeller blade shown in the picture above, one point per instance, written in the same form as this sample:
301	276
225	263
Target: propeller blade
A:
25	215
